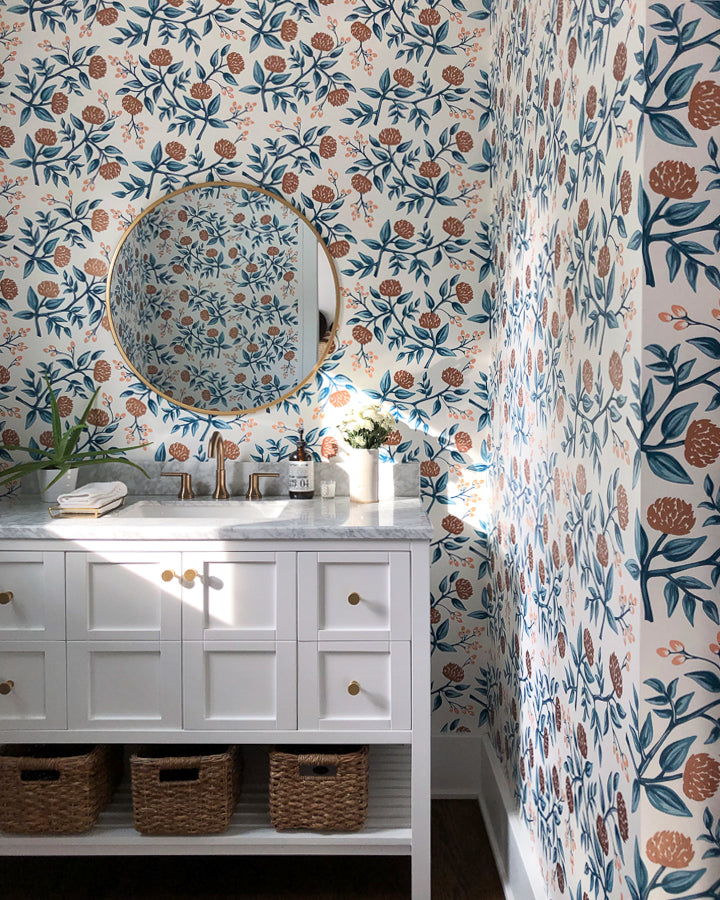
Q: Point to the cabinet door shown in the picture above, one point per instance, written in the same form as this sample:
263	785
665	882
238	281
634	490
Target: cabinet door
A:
354	596
244	685
131	595
239	596
32	596
34	674
355	686
124	684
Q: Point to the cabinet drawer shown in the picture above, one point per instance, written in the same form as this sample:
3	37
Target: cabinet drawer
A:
32	596
239	596
37	696
241	685
354	686
132	596
356	596
124	684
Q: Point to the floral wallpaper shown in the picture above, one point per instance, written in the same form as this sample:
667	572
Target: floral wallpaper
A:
564	388
216	325
365	116
676	724
603	679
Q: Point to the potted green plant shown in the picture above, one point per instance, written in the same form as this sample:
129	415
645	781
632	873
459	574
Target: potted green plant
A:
63	457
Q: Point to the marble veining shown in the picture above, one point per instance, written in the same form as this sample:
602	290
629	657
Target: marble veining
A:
157	518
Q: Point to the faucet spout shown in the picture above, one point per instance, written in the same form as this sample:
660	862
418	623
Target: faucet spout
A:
216	449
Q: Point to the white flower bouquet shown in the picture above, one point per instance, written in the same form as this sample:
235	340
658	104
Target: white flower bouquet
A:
367	428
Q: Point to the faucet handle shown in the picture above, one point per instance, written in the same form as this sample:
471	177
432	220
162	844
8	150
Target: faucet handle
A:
253	491
186	491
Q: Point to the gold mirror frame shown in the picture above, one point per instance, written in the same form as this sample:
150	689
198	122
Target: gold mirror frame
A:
108	293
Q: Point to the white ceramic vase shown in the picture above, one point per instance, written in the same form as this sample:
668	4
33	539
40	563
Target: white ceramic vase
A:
362	471
65	483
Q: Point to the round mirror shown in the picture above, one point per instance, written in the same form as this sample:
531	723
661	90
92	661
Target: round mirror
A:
222	298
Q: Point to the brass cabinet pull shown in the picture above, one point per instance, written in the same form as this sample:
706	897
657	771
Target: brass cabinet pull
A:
354	598
6	686
168	575
5	597
190	575
353	688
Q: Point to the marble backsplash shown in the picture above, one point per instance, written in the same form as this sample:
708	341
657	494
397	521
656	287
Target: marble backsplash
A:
395	479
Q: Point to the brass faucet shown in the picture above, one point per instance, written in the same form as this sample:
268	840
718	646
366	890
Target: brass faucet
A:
253	491
216	448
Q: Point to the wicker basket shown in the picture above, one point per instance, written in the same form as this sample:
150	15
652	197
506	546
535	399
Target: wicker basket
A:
319	790
55	789
184	790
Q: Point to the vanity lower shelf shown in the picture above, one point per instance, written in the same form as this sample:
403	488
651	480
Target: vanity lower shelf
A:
387	831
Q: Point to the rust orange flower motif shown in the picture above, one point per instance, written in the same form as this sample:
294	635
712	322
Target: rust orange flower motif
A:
338	249
290	183
160	57
701	777
323	193
360	32
615	369
404	379
453	525
361	334
674	178
704	106
625	192
429	16
616	674
702	443
429	468
361	184
453	672
671	515
671	849
235	62
390	137
391	287
338	97
453	76
404	77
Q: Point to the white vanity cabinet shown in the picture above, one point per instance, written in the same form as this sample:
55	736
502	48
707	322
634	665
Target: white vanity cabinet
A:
135	636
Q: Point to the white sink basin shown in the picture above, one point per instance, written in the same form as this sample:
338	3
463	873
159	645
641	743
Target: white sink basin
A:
228	510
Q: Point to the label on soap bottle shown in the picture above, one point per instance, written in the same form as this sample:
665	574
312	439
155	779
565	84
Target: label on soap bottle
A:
301	477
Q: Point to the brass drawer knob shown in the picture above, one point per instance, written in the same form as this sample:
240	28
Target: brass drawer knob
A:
168	575
6	686
190	575
354	598
353	689
5	597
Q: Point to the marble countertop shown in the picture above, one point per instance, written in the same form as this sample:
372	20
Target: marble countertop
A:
158	518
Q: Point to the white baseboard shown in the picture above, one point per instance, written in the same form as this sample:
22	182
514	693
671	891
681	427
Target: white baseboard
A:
456	767
507	833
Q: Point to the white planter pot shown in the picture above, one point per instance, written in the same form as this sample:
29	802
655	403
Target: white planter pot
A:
362	469
66	482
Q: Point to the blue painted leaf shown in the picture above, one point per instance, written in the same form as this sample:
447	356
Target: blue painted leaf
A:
675	423
710	346
641	872
666	801
682	548
680	82
667	467
673	756
708	680
679	882
710	6
680	214
672	595
670	130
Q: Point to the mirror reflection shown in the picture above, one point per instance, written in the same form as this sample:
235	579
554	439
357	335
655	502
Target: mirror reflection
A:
222	298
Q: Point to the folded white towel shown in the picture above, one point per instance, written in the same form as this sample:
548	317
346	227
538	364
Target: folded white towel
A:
93	495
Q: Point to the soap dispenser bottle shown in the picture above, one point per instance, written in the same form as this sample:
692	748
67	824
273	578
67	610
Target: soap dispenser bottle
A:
300	472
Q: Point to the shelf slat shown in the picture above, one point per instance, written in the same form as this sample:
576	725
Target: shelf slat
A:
387	830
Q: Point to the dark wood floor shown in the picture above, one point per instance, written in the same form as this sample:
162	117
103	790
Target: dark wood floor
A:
463	869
